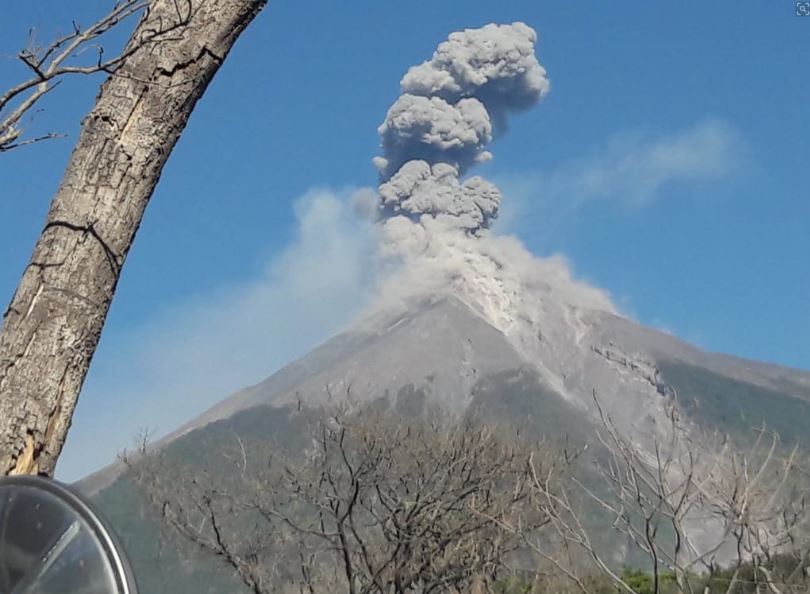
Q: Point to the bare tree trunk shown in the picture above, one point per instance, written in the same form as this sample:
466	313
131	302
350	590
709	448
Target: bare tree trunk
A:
52	327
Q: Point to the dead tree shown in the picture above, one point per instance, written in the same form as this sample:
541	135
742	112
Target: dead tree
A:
210	514
378	505
410	506
707	516
78	52
53	324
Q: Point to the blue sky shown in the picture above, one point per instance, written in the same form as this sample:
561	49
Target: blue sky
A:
669	163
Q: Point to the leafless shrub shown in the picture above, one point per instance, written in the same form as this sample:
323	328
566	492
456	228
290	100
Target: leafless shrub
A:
377	505
694	505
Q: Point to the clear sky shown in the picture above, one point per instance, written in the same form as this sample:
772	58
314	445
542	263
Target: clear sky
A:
669	163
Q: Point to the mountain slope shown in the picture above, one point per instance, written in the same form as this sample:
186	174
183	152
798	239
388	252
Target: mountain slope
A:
443	353
445	350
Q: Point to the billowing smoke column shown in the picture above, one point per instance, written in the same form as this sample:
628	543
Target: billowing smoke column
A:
443	121
435	219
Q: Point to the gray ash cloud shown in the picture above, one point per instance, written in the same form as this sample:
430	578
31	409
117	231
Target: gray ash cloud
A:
440	126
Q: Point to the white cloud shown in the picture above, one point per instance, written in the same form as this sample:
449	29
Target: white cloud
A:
196	353
631	169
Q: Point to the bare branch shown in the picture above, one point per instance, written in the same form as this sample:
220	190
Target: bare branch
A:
378	505
62	57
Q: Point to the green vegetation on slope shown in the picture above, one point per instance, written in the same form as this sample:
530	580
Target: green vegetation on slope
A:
736	407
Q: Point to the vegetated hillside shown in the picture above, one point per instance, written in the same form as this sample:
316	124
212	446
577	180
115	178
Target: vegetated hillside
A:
737	407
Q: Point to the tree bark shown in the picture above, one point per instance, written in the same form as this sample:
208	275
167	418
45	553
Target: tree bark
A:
52	327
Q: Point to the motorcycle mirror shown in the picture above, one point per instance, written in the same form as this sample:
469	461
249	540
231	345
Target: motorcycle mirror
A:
53	542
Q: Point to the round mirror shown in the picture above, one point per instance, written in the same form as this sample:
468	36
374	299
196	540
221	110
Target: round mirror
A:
52	542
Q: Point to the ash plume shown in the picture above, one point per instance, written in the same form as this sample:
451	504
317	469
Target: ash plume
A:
419	189
436	222
431	129
442	123
496	64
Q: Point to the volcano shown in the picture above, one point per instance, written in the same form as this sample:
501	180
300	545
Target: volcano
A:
447	354
444	353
